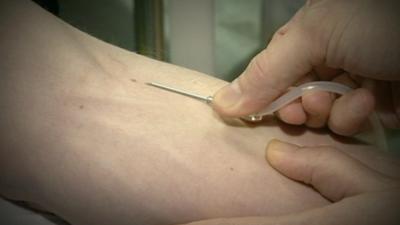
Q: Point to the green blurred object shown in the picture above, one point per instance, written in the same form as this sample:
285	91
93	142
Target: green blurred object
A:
108	20
238	35
244	28
149	28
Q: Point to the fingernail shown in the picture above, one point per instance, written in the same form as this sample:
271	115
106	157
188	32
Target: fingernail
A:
277	149
229	95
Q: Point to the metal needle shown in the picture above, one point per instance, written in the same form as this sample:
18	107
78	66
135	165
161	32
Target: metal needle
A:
207	99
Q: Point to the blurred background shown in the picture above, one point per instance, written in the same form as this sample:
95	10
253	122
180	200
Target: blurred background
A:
217	37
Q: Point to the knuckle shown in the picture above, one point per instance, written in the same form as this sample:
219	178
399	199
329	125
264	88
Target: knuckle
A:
323	154
256	78
257	68
318	157
319	101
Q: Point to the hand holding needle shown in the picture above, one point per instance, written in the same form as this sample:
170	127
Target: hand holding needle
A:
206	99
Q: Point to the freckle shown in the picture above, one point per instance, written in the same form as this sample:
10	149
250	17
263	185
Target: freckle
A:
133	80
231	169
81	106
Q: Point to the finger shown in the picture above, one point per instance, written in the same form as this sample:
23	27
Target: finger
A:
334	174
311	76
326	73
292	113
317	105
235	221
384	162
289	56
366	209
369	209
350	111
345	79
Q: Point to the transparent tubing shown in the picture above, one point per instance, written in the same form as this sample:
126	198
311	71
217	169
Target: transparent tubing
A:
333	87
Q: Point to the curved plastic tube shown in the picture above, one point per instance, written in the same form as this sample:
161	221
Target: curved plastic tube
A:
297	92
333	87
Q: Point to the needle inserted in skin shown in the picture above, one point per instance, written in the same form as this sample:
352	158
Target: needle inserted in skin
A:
207	99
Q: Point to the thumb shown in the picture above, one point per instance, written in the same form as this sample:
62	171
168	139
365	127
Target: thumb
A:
331	172
288	57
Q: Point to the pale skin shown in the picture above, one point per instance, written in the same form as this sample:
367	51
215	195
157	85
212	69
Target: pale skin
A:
83	136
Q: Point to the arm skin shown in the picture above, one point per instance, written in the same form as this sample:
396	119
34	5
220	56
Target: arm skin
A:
84	137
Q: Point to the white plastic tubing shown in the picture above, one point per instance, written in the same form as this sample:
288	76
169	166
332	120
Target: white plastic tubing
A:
328	86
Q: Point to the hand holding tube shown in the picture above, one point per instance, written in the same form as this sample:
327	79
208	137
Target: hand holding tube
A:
343	41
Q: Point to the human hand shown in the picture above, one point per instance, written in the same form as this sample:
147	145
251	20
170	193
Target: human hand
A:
359	194
346	41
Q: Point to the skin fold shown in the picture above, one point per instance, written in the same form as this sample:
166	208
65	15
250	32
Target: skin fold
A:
84	137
